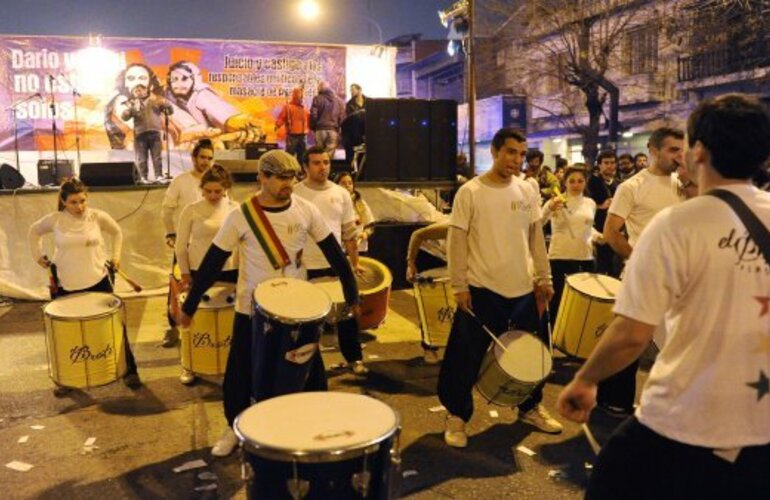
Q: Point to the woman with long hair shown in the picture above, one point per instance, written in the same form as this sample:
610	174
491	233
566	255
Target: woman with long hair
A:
364	217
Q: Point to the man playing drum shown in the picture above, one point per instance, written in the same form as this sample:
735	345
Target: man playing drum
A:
636	201
494	230
702	429
293	220
336	207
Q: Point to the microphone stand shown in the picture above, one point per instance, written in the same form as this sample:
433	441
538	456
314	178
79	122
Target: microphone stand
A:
75	95
13	110
168	144
53	126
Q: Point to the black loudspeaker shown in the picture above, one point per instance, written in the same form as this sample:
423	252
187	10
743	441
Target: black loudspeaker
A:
443	140
52	174
413	140
256	149
10	178
381	141
121	173
389	243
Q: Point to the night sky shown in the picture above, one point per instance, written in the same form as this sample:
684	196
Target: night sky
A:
343	21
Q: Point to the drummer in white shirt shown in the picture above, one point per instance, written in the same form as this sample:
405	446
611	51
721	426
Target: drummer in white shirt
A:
199	222
80	261
702	429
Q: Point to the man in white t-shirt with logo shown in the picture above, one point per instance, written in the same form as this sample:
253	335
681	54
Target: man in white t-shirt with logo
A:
336	207
663	184
293	221
183	190
494	231
702	429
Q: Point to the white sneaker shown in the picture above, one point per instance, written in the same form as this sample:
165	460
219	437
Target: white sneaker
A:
539	418
454	433
359	368
226	444
187	377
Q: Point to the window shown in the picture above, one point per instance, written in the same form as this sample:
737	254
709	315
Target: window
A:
641	50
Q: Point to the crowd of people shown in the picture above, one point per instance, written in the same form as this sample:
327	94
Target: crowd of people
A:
703	423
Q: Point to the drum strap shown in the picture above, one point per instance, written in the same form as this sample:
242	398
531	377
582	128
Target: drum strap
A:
754	226
265	234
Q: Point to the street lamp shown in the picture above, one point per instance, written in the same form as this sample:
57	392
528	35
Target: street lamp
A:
309	10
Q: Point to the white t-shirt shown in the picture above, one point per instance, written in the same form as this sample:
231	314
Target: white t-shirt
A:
497	220
336	207
642	196
79	248
695	267
572	229
183	190
199	222
292	225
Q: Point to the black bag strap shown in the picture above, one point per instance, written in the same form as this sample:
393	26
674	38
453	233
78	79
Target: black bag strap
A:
755	227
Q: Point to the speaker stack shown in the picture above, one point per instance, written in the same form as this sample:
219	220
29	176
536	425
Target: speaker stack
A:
122	173
410	140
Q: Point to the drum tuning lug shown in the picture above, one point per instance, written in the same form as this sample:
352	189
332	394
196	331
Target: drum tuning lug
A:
360	482
205	298
298	488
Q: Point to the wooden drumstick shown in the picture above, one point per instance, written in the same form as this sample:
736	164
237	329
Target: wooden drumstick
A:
489	332
595	276
133	284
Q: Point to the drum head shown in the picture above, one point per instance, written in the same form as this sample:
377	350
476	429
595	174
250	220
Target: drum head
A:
375	276
82	305
308	425
332	287
595	285
526	359
437	274
291	300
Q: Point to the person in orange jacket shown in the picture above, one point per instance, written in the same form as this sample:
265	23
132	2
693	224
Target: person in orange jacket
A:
294	117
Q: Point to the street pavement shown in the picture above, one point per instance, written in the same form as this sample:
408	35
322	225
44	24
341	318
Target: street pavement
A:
142	435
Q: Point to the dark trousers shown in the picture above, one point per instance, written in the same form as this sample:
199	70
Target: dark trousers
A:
239	374
607	261
348	333
560	269
105	285
296	144
468	343
619	390
146	144
637	463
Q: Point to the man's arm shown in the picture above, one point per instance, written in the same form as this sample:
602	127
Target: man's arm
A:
437	231
336	259
457	255
614	237
207	273
540	260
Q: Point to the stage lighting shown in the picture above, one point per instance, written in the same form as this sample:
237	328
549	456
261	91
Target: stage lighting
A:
309	9
458	9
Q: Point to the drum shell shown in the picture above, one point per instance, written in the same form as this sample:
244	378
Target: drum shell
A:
502	388
436	307
581	321
374	300
206	344
89	351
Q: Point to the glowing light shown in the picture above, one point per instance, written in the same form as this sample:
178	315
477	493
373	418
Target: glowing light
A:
628	134
94	69
309	10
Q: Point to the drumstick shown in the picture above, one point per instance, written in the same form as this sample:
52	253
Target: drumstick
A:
604	287
595	446
489	332
133	284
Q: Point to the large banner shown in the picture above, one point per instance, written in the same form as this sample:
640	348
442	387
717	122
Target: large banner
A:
229	91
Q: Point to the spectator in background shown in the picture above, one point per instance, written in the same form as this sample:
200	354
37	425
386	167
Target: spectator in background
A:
364	217
640	161
626	168
294	117
545	179
353	126
326	114
601	188
561	165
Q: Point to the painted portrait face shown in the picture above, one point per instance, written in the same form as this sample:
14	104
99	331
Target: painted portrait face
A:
135	76
181	82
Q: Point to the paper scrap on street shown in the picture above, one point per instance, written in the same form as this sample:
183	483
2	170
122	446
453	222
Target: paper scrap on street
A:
410	473
557	474
437	409
37	427
207	487
23	439
194	464
19	466
493	413
374	356
207	476
526	451
89	442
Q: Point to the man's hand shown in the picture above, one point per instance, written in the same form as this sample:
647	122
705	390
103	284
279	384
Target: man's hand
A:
606	204
544	291
184	320
44	262
186	282
114	264
463	300
411	272
358	270
171	241
556	204
577	400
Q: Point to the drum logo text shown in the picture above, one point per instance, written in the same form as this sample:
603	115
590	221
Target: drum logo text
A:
203	340
80	354
445	314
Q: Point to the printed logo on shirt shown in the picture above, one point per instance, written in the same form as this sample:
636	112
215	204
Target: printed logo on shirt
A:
521	206
748	256
294	228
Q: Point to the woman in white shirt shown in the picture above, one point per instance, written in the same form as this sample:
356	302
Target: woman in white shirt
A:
80	262
199	222
364	217
572	232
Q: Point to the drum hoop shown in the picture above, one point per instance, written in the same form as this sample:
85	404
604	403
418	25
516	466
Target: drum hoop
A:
314	456
105	314
291	321
387	276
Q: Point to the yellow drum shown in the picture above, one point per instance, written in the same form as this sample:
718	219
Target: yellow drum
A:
374	287
584	313
507	377
206	344
84	339
435	305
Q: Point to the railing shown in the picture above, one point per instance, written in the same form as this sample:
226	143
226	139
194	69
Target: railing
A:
723	61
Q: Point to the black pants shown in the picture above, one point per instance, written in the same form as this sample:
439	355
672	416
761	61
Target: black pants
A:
468	343
560	269
619	390
348	333
637	463
105	285
296	144
237	387
146	144
607	261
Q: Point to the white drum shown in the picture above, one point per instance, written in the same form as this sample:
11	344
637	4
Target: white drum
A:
291	301
320	445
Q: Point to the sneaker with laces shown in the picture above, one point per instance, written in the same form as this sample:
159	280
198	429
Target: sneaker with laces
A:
187	377
539	418
171	337
430	357
226	444
359	368
454	433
